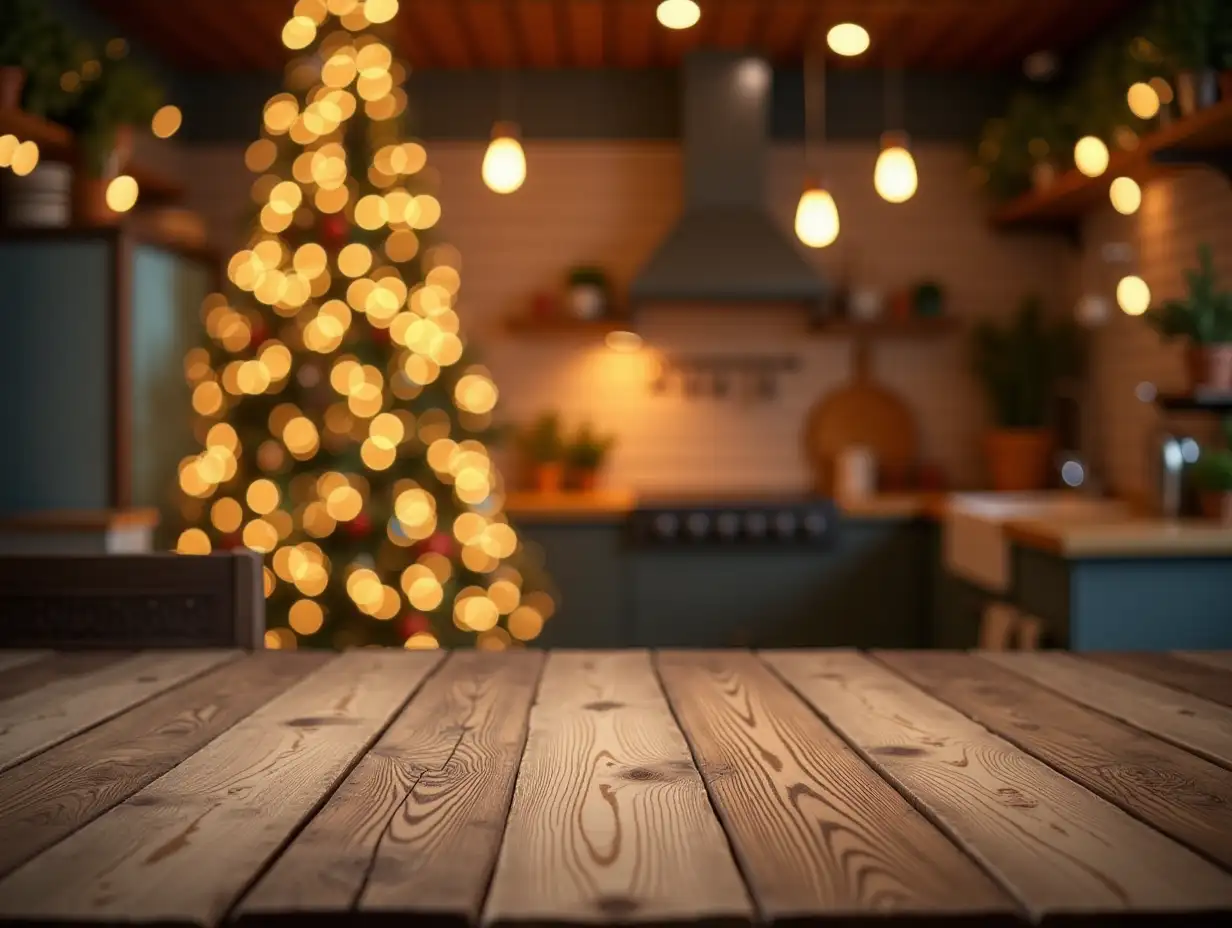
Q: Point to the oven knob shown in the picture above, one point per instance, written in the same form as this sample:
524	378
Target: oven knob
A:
785	524
728	525
698	524
755	524
665	525
815	524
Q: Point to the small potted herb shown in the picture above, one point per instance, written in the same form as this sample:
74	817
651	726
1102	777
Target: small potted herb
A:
1020	366
25	29
589	292
1212	476
544	449
586	454
1204	318
121	96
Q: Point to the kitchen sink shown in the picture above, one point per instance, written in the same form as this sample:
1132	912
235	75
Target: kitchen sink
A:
974	546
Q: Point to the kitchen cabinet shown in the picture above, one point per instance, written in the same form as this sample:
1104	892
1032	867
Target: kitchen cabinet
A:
587	567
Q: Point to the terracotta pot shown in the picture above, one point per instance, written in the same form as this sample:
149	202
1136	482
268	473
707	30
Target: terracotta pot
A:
1018	459
1217	506
587	480
1210	367
549	477
12	83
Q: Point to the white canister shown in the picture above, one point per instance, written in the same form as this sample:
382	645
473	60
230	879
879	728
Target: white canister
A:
41	199
856	473
866	305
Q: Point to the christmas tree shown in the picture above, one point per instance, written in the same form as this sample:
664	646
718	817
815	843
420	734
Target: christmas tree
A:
343	423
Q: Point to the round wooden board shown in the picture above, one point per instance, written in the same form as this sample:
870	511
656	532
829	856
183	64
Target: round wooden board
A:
861	413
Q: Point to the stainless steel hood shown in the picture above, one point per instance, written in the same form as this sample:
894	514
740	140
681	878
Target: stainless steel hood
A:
726	248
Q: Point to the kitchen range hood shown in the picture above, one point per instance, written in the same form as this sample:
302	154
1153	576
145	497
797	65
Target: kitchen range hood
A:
726	248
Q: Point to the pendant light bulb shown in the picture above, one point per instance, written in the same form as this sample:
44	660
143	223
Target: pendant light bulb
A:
816	217
504	163
1091	156
678	14
895	178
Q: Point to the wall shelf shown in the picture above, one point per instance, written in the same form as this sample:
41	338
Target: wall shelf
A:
567	325
56	143
1195	402
915	327
1203	138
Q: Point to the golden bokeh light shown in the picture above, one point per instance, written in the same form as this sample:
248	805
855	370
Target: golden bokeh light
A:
167	121
122	193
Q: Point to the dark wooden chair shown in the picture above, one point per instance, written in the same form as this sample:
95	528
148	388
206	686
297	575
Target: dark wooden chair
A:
132	601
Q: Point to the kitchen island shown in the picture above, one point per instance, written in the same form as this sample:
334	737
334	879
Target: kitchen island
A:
595	788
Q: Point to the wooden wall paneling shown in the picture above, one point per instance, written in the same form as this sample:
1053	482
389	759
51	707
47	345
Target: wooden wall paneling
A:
970	30
246	35
540	29
790	27
412	45
733	23
635	44
162	26
585	32
440	24
485	29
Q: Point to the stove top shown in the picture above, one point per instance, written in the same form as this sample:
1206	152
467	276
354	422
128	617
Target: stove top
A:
750	519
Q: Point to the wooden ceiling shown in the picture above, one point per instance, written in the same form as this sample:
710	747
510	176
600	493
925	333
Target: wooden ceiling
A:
481	34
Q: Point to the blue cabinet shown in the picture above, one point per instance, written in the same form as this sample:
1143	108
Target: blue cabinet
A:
95	326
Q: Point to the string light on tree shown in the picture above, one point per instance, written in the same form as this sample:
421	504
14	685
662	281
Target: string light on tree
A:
1091	156
1143	100
342	420
678	14
504	163
1126	195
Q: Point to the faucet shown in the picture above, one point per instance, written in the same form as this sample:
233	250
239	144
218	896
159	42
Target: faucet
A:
1077	455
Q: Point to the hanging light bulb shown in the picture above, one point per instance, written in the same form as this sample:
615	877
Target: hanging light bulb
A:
895	177
678	14
816	217
1091	156
848	39
504	163
1133	295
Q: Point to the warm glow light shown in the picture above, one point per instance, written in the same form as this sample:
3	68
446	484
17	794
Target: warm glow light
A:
1133	295
816	218
678	14
1143	100
624	342
122	194
25	158
504	163
167	121
848	39
1126	195
1091	156
894	177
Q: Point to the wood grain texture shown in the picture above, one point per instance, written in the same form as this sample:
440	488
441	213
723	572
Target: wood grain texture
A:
431	794
818	834
22	678
1208	682
610	822
44	717
1181	794
1061	850
182	850
11	659
52	795
1221	660
1193	723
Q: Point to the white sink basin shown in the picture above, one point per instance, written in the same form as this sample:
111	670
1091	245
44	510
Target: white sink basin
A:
973	537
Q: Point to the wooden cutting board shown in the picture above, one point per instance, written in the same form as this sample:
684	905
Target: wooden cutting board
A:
861	413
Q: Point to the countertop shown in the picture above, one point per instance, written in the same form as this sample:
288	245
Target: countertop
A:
1117	535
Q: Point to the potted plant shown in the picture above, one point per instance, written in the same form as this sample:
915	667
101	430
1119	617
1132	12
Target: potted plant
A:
24	30
1190	33
1020	366
1204	318
103	116
586	454
1212	476
588	292
543	447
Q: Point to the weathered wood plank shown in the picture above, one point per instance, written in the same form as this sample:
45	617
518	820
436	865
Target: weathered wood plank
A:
52	795
1221	660
610	821
431	794
1205	681
1189	721
54	668
1061	850
1181	794
11	659
42	718
182	850
818	834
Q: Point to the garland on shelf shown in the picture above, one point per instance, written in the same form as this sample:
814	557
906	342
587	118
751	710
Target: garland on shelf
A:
1173	47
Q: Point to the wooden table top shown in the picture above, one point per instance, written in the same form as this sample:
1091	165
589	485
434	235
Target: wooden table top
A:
615	787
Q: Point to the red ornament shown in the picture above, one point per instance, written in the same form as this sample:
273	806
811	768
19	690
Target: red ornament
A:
230	540
360	526
440	543
414	623
334	230
259	334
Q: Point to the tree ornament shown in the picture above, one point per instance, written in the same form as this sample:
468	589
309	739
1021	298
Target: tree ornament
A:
334	230
360	526
440	543
414	623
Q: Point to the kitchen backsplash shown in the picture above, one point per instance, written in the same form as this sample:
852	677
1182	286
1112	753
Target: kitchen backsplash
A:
610	203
